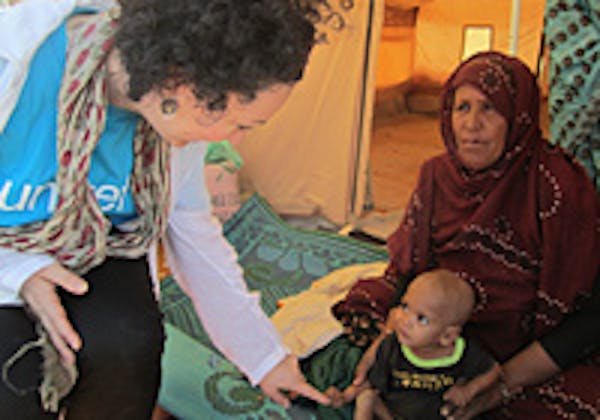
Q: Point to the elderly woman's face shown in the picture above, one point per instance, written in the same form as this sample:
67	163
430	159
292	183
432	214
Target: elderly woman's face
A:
479	130
191	121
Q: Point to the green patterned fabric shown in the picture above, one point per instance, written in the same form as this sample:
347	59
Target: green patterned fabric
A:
333	366
279	260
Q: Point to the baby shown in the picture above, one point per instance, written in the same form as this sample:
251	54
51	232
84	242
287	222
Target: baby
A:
417	365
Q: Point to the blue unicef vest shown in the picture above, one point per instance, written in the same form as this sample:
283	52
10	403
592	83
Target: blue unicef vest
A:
28	148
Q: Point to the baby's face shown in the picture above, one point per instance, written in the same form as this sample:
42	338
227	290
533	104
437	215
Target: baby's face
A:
420	321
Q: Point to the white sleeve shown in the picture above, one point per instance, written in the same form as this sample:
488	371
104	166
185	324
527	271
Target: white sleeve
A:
205	265
15	268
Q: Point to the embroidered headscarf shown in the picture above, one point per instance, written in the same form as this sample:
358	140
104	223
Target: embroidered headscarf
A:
77	234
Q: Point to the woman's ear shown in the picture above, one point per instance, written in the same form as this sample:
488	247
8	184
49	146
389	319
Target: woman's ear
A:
450	334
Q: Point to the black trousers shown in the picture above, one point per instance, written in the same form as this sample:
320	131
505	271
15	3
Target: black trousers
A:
119	363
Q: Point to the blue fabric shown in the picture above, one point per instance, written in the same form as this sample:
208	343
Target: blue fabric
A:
28	147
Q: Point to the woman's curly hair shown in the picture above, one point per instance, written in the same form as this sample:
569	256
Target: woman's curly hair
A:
216	46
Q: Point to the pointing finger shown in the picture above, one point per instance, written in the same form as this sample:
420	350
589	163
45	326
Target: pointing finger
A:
279	398
308	391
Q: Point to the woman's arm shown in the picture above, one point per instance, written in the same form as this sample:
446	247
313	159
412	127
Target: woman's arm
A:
530	366
15	268
32	279
461	394
206	266
575	338
578	336
39	293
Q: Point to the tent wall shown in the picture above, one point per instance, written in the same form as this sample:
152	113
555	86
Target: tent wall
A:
440	28
434	45
309	159
395	56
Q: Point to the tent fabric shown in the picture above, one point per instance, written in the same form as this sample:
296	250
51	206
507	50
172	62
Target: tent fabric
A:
311	159
433	47
440	30
304	161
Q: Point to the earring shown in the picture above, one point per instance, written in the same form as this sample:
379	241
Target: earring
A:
169	106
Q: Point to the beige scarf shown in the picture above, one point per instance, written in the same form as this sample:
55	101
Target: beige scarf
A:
77	234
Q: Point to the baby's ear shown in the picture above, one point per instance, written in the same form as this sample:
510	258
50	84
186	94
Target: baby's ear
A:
450	334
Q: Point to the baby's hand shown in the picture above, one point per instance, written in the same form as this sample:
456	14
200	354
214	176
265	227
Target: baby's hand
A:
336	396
459	395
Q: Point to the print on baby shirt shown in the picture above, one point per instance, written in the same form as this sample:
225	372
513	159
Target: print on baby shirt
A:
413	389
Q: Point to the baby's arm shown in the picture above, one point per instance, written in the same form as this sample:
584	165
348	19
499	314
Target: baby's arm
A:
461	394
339	398
369	406
352	391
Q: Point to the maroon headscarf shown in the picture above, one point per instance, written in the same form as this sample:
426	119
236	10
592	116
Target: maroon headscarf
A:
524	232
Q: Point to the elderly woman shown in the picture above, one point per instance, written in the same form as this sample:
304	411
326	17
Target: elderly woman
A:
519	220
104	119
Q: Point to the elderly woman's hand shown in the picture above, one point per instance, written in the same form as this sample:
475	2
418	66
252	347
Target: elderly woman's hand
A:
484	401
528	367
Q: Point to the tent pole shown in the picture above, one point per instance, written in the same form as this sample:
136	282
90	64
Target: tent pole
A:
361	162
515	17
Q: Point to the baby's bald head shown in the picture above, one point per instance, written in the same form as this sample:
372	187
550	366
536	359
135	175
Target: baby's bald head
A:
452	297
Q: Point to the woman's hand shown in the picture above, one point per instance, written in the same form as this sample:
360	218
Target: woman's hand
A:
286	375
482	402
40	295
529	367
461	393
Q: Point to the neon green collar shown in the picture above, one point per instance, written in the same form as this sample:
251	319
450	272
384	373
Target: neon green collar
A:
459	348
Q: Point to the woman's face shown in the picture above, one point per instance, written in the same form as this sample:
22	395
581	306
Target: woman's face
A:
191	121
479	130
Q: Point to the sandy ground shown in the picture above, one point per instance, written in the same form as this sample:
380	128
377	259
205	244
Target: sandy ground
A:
398	148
